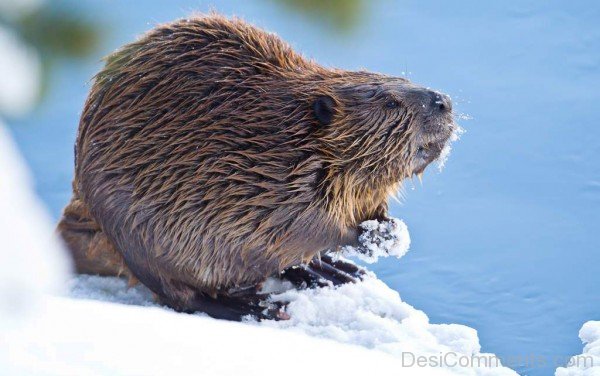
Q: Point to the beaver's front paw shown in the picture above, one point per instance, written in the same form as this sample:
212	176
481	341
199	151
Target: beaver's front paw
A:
380	239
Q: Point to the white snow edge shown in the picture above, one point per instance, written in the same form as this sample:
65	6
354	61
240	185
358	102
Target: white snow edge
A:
588	362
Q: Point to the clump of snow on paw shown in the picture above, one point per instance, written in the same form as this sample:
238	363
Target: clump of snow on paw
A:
372	315
588	363
380	239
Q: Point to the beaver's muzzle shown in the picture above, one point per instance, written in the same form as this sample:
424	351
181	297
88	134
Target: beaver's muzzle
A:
433	112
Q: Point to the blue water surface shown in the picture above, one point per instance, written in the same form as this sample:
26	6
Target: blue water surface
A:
506	238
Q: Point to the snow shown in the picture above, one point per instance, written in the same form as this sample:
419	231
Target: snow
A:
588	363
367	314
380	239
31	260
374	316
115	290
96	338
445	153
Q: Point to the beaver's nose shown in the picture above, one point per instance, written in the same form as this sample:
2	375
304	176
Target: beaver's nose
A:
439	102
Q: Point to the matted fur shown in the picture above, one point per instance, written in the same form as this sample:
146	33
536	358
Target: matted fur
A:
200	159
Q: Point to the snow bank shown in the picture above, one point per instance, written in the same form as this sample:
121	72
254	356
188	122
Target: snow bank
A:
78	337
372	315
588	363
32	261
367	314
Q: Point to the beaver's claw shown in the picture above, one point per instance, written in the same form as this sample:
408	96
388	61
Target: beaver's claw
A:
239	305
323	271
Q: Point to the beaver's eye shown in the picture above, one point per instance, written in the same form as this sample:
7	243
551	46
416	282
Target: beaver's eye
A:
392	103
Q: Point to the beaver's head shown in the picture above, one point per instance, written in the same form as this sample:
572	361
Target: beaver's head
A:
383	130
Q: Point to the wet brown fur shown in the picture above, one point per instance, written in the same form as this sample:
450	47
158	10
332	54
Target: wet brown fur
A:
200	164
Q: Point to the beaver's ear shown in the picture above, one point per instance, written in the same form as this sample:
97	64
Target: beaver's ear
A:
323	109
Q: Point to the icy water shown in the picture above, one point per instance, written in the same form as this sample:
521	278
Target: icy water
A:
505	239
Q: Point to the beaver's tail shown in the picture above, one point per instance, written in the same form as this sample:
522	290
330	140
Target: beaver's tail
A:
92	251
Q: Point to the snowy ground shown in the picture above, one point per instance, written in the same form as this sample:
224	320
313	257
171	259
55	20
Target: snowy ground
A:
74	337
367	314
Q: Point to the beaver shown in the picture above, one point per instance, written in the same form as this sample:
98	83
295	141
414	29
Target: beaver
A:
210	155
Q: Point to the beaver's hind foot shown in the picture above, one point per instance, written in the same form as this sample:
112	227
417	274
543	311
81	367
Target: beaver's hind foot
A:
251	303
237	306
